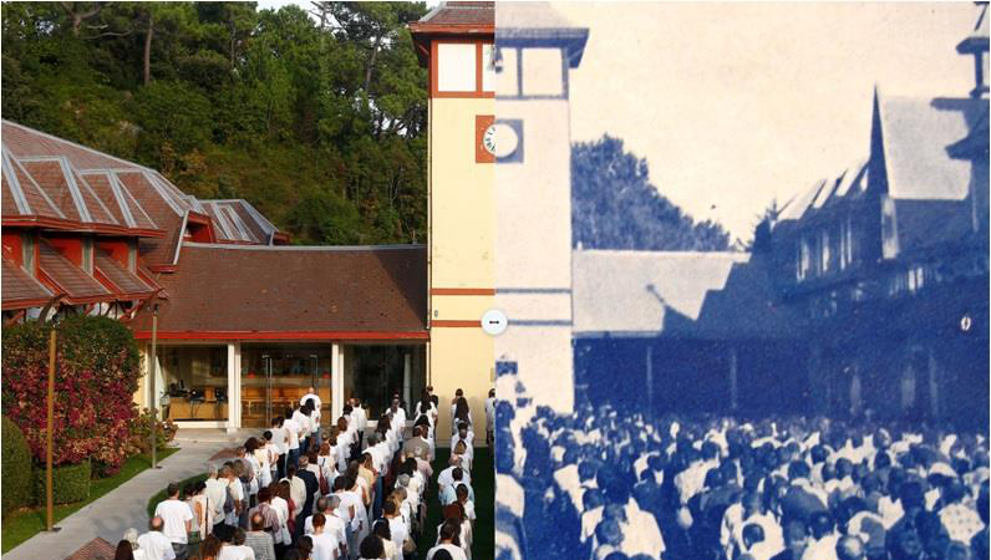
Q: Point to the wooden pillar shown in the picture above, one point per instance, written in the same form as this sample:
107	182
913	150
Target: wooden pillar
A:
233	386
336	382
407	375
734	388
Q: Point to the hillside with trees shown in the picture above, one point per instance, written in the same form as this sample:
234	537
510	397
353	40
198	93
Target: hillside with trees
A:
318	121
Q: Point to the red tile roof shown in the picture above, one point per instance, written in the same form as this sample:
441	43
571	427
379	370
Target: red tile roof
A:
256	292
453	19
96	549
20	289
78	286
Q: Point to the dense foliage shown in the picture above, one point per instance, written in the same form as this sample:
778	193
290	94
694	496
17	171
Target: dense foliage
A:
97	371
318	121
70	483
615	206
16	479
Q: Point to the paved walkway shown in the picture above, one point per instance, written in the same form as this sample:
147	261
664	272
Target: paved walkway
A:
126	506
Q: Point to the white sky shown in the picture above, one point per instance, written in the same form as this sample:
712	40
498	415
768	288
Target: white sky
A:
733	105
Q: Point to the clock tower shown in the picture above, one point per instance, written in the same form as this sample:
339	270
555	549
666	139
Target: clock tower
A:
455	42
499	198
536	51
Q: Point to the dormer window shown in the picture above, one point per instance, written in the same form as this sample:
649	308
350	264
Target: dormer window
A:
824	251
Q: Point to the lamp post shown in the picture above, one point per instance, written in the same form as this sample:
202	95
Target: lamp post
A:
152	359
50	424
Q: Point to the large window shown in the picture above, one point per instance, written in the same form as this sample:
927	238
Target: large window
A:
274	376
375	372
195	382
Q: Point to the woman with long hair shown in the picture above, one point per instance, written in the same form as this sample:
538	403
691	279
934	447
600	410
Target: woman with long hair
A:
381	529
460	412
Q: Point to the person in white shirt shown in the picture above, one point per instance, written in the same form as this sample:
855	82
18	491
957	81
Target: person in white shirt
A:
177	520
398	414
155	544
312	397
446	476
280	445
301	416
216	494
325	544
292	430
449	541
397	527
236	550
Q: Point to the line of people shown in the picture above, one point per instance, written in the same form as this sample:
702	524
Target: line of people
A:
609	485
298	493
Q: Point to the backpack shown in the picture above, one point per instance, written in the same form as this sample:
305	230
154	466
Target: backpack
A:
228	501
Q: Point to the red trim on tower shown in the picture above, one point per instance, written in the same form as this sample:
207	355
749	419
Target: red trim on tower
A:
462	291
455	324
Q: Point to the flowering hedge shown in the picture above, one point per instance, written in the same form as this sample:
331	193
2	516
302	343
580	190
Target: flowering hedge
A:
97	373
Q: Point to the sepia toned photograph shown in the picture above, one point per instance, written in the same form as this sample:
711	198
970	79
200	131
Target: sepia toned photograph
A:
778	281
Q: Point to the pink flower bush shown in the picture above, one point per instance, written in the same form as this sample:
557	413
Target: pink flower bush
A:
97	371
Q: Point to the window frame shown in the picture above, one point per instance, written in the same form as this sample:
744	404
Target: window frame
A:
479	91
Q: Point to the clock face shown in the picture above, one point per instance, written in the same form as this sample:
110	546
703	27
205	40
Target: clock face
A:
500	140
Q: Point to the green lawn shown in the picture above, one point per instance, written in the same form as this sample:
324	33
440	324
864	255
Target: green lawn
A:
21	525
483	482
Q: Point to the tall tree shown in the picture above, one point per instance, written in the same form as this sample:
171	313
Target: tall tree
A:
615	206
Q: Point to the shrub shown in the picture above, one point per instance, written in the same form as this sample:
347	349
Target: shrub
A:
96	376
16	487
70	483
141	432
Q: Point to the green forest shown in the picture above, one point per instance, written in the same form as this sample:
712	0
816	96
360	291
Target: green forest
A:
316	118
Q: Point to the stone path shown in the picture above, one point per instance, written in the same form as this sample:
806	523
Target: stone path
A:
126	506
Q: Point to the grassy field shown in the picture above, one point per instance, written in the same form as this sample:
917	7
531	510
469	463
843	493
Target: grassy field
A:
483	482
21	525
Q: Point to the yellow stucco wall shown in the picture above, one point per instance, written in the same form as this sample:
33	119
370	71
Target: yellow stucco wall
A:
461	358
462	226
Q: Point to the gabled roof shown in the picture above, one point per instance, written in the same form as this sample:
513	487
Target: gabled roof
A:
20	289
48	183
674	294
795	208
271	292
915	133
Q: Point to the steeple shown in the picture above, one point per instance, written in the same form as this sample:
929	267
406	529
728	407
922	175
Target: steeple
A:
976	45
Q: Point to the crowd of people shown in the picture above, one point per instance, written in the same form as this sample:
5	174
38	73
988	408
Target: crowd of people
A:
301	491
606	484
